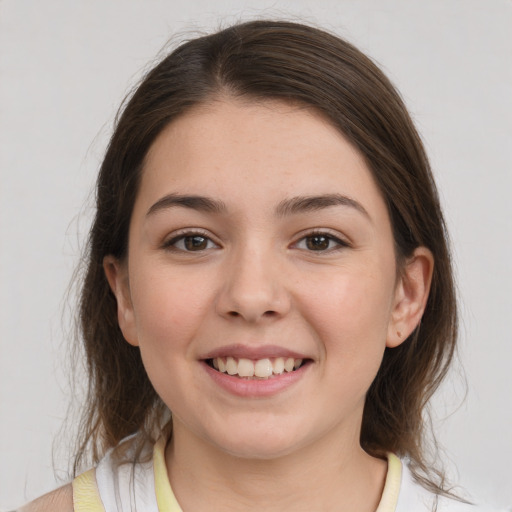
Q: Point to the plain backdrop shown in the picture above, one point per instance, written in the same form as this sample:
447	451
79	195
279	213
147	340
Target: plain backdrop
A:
64	68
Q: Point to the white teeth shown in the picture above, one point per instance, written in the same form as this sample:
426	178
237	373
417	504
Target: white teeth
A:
231	366
289	364
278	366
261	368
245	368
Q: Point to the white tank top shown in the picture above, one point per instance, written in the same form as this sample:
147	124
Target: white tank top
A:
145	487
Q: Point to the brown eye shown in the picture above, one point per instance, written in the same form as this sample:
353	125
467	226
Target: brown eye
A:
318	242
195	243
321	242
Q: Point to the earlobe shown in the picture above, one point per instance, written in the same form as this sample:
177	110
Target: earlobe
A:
411	295
117	277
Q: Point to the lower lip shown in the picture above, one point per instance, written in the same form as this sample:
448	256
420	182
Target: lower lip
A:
256	388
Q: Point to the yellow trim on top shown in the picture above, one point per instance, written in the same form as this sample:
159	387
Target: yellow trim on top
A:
164	496
86	497
389	499
167	501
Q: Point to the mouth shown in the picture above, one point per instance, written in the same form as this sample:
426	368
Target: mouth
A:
259	369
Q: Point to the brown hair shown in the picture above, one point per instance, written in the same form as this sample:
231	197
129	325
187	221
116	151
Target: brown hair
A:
290	62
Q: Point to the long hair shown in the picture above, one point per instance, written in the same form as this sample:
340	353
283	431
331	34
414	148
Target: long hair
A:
303	65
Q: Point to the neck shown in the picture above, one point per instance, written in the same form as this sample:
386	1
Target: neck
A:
326	475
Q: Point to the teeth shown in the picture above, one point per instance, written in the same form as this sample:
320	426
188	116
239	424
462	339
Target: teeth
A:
278	365
245	368
231	366
261	368
289	364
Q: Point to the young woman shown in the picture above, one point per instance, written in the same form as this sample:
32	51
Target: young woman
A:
268	303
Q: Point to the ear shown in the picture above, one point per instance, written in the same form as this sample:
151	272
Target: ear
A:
411	294
117	277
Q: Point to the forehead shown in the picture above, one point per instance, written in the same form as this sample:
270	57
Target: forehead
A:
279	149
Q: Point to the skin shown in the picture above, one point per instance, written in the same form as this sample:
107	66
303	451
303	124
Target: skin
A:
59	500
255	282
258	279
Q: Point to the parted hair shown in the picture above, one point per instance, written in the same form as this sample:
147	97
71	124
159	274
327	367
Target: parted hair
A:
290	62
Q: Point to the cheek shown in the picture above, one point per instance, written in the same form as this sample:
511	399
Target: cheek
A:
168	308
169	311
351	312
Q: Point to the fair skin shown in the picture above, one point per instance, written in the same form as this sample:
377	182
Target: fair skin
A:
60	500
259	234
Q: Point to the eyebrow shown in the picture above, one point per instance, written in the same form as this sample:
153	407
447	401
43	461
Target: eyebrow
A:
200	203
292	206
303	204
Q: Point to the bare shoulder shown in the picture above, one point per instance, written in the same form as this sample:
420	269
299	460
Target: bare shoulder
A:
60	500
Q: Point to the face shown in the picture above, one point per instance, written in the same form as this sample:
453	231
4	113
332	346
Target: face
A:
260	283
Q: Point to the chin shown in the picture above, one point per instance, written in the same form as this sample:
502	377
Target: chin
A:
257	451
259	445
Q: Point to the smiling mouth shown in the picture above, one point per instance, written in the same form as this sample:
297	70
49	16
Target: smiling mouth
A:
256	369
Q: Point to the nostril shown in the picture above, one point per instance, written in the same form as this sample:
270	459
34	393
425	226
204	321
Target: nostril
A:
266	314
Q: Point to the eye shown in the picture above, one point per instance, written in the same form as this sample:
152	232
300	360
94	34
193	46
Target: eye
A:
191	242
320	242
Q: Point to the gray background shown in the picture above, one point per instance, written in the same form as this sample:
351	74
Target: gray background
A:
64	67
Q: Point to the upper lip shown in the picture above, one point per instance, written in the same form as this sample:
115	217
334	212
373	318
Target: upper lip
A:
239	351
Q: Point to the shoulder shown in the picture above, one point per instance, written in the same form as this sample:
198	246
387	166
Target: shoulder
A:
60	500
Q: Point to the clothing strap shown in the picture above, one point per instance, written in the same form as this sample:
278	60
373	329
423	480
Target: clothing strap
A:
164	496
389	499
86	497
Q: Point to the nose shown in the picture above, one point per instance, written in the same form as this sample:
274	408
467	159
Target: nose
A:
254	287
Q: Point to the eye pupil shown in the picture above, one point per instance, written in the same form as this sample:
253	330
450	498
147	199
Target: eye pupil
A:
195	243
317	243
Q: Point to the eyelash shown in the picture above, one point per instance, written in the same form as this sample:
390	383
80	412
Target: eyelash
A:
172	244
330	238
182	237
